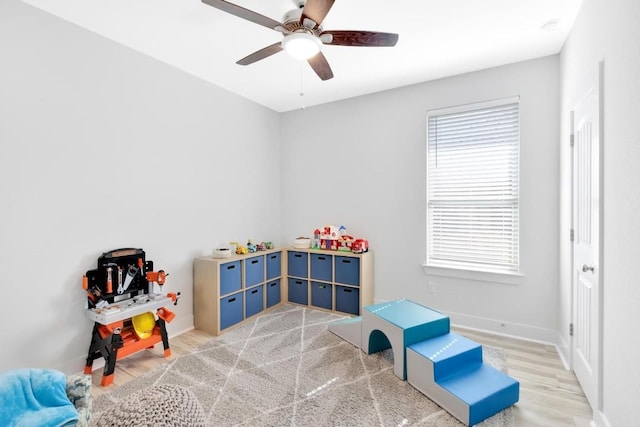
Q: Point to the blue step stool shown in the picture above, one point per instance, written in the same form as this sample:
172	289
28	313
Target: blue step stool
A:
397	325
449	369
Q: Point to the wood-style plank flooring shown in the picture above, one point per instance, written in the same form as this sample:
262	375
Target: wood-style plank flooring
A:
549	395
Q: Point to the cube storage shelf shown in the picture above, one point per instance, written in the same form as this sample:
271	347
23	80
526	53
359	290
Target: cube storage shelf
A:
331	280
229	290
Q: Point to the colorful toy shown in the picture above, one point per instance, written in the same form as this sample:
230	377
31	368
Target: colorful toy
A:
345	243
128	315
240	250
251	247
329	238
334	238
359	246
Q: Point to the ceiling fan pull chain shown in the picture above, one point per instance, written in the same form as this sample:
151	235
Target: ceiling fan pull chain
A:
301	86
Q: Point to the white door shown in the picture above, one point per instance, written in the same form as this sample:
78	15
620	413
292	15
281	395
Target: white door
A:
586	231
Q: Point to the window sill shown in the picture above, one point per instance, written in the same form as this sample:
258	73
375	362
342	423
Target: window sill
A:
482	276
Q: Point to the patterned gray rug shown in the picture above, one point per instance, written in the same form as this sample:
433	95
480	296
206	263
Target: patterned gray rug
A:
283	368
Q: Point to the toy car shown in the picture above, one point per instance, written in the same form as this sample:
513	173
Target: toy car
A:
359	246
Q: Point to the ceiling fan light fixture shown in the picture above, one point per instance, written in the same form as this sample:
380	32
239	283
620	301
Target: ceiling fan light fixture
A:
301	45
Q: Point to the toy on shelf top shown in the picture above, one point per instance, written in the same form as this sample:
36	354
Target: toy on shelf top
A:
250	247
359	246
240	249
335	238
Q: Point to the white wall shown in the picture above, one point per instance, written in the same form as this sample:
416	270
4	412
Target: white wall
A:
609	31
101	148
361	163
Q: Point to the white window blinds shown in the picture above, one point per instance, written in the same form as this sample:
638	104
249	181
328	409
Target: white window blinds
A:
472	187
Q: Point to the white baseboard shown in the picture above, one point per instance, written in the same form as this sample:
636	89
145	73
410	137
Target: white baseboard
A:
501	327
600	420
564	351
180	325
505	328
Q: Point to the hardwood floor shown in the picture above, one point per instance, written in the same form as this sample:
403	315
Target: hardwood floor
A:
549	395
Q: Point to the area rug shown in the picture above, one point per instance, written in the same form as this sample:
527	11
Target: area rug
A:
284	368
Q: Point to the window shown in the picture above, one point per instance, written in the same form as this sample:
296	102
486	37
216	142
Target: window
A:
472	187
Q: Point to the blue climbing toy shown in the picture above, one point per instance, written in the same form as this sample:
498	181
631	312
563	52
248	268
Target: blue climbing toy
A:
446	367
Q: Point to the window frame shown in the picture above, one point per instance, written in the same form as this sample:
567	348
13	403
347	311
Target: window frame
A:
467	270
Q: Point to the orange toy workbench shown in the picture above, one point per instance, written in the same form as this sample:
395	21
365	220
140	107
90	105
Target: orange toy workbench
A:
114	336
121	303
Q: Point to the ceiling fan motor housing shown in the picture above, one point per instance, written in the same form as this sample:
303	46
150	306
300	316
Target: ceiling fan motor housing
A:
291	21
292	15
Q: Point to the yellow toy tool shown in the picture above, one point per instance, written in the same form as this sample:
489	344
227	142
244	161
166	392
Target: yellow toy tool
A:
240	250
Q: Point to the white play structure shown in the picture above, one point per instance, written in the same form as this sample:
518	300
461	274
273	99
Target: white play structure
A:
446	367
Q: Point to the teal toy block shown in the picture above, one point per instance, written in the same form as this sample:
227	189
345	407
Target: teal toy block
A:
397	325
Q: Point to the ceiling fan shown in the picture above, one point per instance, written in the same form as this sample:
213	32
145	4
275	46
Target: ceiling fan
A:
304	35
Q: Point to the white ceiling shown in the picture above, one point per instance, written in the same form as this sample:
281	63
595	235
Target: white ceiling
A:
437	39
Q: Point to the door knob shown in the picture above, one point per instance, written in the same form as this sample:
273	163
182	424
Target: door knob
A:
586	268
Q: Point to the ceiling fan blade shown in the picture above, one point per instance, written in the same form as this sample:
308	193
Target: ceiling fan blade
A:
316	10
243	13
260	54
320	65
359	38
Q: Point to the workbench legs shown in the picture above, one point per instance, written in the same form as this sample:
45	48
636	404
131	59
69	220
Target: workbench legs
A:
113	342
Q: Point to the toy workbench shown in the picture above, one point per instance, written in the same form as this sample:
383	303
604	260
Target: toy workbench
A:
128	315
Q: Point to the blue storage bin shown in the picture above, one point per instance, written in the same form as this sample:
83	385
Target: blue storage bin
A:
230	310
297	264
253	271
273	293
299	291
348	270
321	268
230	277
273	265
253	300
348	300
321	295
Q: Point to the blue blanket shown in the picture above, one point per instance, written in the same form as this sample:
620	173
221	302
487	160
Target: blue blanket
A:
35	397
